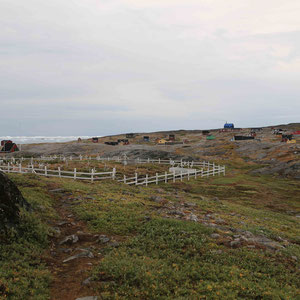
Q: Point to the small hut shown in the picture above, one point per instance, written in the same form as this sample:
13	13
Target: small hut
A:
8	146
171	137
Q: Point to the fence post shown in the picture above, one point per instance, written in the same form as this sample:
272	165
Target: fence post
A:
8	167
174	176
124	178
146	179
181	175
166	177
224	170
20	168
136	178
46	171
188	173
114	174
213	169
74	173
159	160
156	178
92	175
59	172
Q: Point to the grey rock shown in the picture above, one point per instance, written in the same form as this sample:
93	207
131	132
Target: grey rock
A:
215	235
235	243
176	212
87	281
62	223
193	218
295	258
71	239
85	253
156	199
114	244
103	239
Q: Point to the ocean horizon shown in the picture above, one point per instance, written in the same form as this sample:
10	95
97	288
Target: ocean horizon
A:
42	139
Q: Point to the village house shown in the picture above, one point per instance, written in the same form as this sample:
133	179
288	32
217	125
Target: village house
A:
8	146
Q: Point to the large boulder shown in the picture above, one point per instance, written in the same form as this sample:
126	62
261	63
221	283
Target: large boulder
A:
11	200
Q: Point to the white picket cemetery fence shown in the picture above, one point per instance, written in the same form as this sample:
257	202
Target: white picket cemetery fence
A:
120	159
165	177
91	176
208	169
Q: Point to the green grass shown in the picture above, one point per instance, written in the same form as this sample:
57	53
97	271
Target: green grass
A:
164	258
171	259
22	272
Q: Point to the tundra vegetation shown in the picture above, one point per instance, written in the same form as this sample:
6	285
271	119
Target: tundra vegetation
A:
233	237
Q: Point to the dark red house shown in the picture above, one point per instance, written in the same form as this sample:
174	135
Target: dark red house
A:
8	146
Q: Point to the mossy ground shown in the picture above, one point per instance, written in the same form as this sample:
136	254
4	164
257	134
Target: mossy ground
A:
22	272
162	257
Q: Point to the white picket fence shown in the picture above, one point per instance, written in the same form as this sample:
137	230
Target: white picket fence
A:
91	176
145	180
208	169
119	159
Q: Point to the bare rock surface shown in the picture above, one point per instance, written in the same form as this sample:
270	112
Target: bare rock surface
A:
11	200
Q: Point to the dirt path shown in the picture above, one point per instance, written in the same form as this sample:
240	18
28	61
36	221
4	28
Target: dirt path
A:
72	253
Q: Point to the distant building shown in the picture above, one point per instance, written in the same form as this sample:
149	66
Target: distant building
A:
287	137
228	126
111	143
161	141
242	137
95	140
210	137
146	138
205	132
130	135
171	137
8	146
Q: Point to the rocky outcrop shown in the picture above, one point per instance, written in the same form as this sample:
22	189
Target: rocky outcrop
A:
11	200
291	169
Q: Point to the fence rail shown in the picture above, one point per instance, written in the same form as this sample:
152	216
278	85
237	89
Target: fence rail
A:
145	180
120	159
207	169
91	176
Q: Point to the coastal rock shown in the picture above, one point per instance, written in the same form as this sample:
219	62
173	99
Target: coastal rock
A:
11	202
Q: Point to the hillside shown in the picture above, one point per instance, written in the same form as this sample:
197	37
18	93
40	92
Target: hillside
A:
219	237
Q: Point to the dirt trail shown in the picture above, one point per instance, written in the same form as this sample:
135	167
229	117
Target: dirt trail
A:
68	277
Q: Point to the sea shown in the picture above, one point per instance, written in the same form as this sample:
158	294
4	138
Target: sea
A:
42	139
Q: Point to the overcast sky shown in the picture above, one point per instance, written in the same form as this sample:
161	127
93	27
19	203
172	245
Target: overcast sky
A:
87	67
